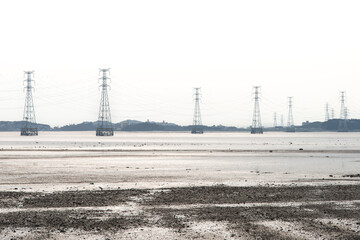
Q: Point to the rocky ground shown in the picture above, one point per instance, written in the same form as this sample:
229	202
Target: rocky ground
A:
213	212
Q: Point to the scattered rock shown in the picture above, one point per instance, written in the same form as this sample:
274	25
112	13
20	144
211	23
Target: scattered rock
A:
352	175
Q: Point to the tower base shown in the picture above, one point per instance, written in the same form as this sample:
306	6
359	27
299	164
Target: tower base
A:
29	132
257	130
104	132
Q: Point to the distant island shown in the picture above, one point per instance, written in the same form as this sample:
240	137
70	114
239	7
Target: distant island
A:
353	125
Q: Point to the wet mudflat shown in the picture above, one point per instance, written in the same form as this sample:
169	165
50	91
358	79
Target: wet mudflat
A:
67	199
178	186
238	195
299	212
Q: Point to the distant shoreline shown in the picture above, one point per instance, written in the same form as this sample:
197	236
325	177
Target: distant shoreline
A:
333	125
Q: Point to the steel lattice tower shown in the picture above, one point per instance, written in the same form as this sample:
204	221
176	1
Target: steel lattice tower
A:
327	115
290	123
275	120
29	128
105	127
256	127
343	114
342	110
197	127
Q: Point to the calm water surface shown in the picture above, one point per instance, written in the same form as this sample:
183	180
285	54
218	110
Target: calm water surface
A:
170	140
289	160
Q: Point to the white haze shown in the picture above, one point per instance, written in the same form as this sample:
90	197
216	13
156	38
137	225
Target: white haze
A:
159	50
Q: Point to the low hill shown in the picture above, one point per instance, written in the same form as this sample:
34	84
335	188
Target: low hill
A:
17	125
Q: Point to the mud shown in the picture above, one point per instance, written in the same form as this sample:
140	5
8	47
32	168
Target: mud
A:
242	213
227	194
81	198
66	220
245	220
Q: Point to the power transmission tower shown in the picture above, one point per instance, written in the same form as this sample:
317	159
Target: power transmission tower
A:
347	112
197	127
256	127
342	100
30	128
290	123
327	116
275	120
105	127
343	114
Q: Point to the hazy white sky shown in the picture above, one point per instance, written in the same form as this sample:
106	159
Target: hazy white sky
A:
159	50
